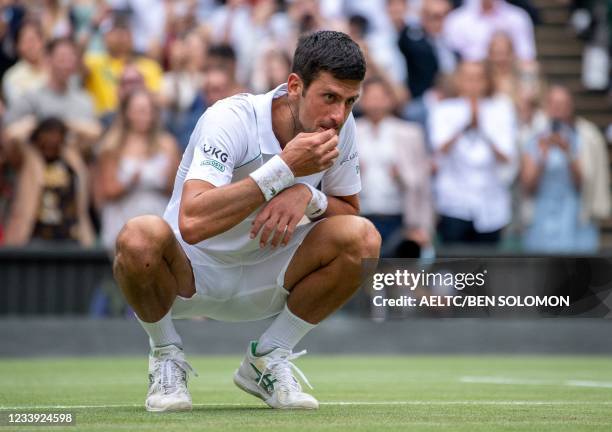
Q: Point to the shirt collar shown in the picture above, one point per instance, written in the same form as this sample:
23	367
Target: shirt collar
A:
268	143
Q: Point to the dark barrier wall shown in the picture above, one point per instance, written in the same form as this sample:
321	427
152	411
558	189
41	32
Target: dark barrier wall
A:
51	280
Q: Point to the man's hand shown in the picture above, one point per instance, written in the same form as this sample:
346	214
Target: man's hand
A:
544	145
310	153
281	215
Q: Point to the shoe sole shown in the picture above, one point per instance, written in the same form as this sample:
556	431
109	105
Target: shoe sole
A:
182	407
252	389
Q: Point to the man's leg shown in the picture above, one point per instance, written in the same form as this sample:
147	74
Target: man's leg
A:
152	269
324	273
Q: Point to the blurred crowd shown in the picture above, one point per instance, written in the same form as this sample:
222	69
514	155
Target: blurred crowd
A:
461	141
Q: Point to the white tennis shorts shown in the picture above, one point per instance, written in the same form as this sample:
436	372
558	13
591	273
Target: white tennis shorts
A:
245	292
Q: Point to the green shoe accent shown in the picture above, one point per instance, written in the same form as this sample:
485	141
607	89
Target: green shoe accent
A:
254	350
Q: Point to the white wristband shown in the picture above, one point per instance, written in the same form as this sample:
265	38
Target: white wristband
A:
318	203
273	176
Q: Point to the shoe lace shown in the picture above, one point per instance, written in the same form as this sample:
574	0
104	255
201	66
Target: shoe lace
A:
173	372
281	369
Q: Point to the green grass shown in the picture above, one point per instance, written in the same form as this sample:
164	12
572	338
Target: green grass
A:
412	393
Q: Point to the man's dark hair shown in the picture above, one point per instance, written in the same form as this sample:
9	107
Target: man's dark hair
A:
223	51
54	43
328	51
49	124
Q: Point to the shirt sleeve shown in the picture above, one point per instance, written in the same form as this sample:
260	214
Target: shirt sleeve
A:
218	145
343	178
19	109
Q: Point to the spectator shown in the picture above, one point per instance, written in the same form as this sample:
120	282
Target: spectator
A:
181	20
29	73
565	169
503	66
469	29
103	70
180	88
510	76
395	170
13	15
272	71
56	19
147	19
87	15
473	137
52	196
131	79
10	168
223	58
429	60
218	85
424	49
136	167
59	97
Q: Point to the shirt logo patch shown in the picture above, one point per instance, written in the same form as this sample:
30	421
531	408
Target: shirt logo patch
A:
214	164
349	158
214	152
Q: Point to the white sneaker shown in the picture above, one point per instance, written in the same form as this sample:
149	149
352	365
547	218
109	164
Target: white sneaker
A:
168	371
269	377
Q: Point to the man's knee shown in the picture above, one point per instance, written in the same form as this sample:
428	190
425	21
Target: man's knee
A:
358	238
141	242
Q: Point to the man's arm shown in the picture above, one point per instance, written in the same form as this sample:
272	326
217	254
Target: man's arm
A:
343	205
207	211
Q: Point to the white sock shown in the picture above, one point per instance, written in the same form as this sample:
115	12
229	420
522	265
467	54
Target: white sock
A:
285	332
162	333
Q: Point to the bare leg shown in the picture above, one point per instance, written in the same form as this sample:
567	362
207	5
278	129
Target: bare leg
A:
326	270
151	267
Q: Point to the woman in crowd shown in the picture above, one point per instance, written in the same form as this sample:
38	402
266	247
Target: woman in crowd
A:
136	166
473	137
52	194
565	170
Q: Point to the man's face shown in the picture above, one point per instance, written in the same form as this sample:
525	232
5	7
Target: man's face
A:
376	102
217	87
118	41
559	104
326	103
63	61
433	14
50	144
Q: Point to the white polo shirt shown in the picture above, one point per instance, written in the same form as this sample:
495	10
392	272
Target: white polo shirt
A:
233	138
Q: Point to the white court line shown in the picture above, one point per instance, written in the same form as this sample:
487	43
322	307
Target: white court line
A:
335	403
524	381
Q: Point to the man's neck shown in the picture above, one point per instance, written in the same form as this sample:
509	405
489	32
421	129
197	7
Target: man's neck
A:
488	7
284	120
58	86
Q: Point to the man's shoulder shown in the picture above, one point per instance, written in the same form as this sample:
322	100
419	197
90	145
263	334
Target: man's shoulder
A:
237	108
231	121
515	14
